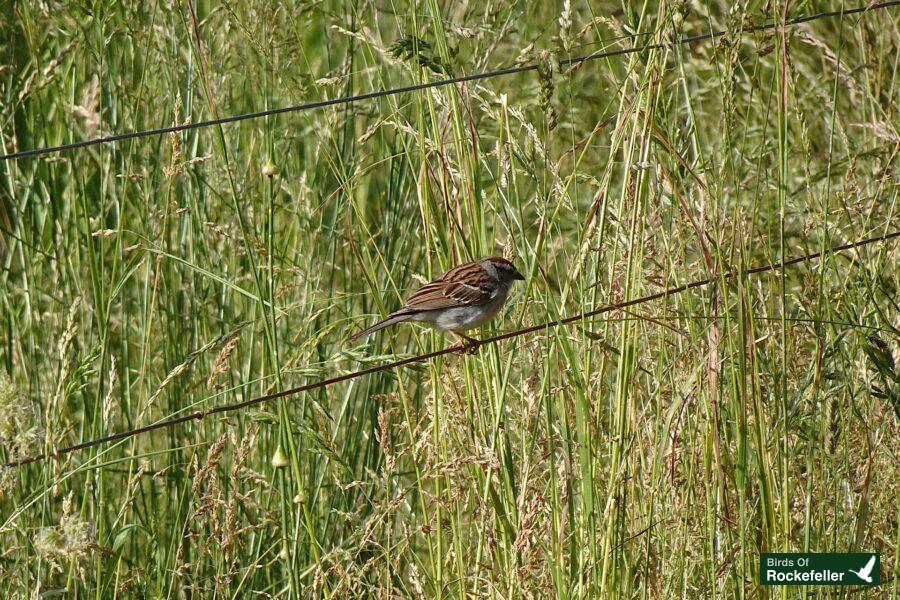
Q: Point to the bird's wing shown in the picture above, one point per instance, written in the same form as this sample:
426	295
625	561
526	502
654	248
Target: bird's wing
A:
868	568
469	293
465	285
440	294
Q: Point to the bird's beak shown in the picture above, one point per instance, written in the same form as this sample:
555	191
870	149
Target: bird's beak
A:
518	276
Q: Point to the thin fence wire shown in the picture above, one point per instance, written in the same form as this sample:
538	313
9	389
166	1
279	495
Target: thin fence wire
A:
431	84
202	414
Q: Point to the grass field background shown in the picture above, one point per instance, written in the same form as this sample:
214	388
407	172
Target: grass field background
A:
647	453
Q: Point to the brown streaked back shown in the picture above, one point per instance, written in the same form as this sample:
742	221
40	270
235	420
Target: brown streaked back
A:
468	284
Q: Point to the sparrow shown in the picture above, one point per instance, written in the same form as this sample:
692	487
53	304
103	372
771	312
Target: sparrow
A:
464	297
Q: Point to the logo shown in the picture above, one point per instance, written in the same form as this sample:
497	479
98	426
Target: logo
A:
805	568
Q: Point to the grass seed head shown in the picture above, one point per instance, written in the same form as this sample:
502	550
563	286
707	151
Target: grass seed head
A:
69	541
19	433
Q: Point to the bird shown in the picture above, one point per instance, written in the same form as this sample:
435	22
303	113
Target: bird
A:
463	298
866	572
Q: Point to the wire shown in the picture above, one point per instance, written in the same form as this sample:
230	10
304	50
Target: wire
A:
202	414
423	86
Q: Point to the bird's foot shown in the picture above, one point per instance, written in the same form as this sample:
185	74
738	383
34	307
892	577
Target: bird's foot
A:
466	345
465	348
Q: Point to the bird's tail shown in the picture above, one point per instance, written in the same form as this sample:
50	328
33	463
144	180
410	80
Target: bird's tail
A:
394	318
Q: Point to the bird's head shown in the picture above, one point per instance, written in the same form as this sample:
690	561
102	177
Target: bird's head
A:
505	269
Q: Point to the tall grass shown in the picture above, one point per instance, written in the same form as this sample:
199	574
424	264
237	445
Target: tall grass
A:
652	452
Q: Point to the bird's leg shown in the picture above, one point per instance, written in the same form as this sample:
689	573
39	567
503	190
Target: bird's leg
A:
465	344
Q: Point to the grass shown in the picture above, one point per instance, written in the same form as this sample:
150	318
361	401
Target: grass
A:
645	453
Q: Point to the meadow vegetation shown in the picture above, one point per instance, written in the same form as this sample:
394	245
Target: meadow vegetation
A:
651	452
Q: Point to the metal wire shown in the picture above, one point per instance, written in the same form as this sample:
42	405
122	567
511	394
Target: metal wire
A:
202	414
423	86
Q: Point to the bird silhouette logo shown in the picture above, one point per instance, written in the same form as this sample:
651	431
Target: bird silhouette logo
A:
866	572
